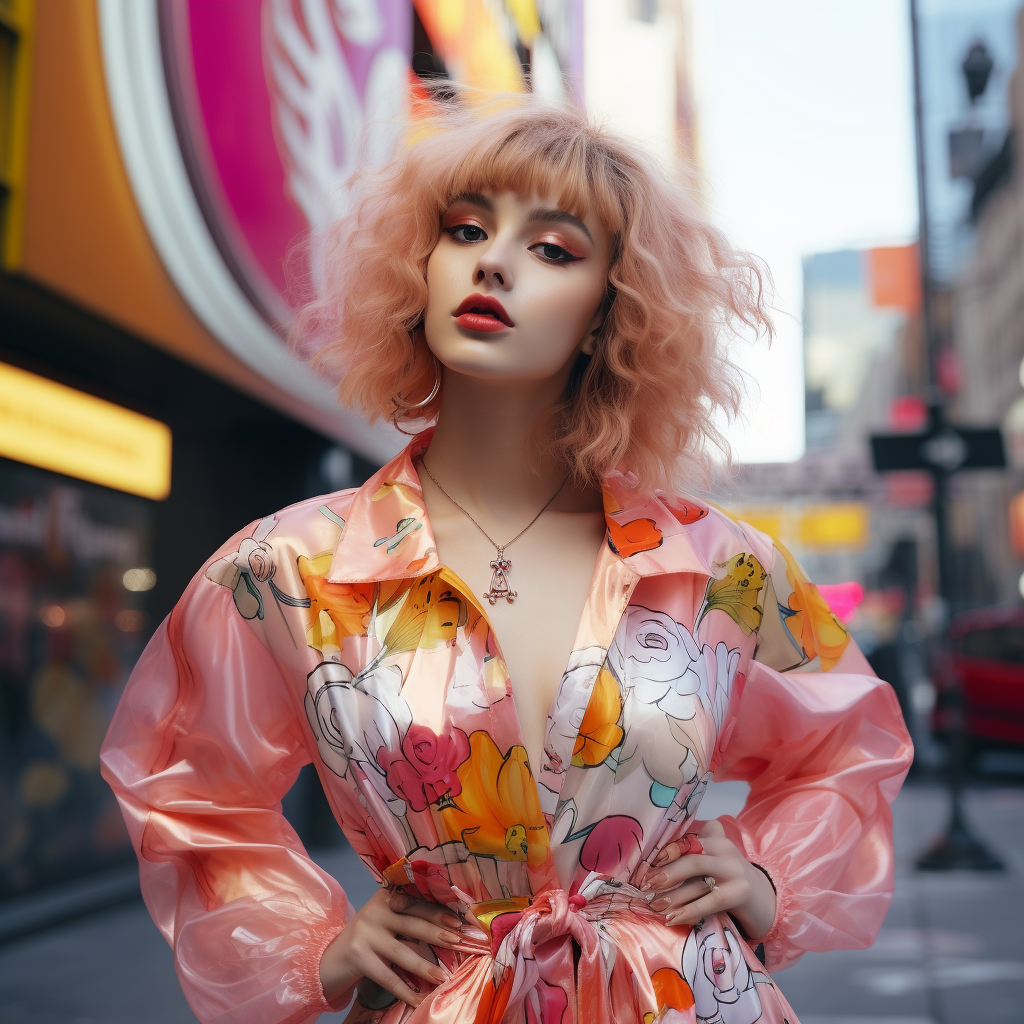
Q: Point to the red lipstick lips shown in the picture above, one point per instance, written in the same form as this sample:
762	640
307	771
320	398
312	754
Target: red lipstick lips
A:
482	313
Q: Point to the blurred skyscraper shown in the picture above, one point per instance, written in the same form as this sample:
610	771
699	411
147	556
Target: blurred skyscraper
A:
961	135
857	305
159	161
988	333
638	72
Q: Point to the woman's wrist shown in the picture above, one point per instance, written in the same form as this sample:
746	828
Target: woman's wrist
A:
336	979
757	914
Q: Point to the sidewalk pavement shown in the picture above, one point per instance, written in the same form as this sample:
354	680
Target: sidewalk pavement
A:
947	953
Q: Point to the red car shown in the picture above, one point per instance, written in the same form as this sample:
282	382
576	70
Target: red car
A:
986	653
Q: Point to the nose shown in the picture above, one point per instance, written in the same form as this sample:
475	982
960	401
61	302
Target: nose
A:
494	266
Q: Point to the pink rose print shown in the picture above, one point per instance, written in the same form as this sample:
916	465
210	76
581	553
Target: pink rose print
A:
546	1004
424	772
613	845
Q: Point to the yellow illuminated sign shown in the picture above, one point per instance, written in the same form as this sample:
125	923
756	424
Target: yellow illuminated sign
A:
767	520
56	427
833	525
841	525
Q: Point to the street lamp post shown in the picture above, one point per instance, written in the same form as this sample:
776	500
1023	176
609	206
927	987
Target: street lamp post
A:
957	849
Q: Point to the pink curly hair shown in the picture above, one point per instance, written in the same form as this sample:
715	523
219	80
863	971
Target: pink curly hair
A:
647	399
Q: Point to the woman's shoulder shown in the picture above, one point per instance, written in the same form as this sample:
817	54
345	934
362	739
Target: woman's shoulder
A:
313	522
266	558
717	534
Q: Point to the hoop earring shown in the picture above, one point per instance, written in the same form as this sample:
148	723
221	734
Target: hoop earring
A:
401	406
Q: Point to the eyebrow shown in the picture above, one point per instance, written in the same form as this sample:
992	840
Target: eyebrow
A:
559	216
562	217
474	199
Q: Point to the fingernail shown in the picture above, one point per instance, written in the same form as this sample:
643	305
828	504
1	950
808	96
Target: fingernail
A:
438	975
655	881
450	938
660	904
451	921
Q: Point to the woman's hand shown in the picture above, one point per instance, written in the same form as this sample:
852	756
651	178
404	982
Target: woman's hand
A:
369	945
684	897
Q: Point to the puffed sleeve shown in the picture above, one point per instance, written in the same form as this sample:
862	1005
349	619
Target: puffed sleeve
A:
204	744
822	743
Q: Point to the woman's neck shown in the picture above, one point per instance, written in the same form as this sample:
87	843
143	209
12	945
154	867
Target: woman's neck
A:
480	451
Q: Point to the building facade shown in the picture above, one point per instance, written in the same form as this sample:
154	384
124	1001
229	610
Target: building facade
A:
988	327
160	162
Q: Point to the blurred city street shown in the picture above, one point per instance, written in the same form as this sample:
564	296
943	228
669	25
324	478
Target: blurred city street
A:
170	171
947	954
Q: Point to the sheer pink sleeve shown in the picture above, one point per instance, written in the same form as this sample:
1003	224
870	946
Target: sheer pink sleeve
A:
204	744
823	746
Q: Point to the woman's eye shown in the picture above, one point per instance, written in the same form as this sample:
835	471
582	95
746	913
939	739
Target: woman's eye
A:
467	233
554	253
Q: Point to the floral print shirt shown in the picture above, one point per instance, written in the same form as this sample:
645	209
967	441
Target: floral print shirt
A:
330	633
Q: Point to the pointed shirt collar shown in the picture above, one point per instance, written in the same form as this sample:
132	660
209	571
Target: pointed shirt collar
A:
387	534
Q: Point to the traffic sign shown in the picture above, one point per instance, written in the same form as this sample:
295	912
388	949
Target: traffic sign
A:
946	449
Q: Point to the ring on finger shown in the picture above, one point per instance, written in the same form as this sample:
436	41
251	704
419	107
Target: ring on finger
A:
693	844
710	882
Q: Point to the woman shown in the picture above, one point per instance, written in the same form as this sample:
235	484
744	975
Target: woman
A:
555	304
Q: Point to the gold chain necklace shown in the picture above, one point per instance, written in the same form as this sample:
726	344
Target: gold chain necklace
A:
500	566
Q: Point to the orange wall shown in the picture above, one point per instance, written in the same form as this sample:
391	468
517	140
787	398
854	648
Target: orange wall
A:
83	234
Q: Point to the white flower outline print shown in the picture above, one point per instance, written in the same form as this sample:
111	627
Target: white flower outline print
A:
661	662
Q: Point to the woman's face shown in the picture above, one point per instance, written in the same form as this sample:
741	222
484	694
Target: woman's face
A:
514	287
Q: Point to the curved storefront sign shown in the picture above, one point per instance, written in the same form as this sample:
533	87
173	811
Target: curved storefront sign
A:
240	120
236	130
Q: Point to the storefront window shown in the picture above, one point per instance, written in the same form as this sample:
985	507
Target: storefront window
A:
74	580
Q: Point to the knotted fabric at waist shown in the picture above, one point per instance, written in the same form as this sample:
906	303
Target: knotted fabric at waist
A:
550	953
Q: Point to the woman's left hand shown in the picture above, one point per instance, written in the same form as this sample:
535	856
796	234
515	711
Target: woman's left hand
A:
684	897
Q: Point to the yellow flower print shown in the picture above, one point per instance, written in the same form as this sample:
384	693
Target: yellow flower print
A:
336	610
498	814
599	732
429	616
738	592
390	487
810	620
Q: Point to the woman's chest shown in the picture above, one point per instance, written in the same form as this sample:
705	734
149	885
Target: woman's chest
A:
416	712
535	598
643	690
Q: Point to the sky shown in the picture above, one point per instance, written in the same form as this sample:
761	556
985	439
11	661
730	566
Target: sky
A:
805	132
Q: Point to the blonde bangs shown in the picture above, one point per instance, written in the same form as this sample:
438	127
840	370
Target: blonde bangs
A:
528	151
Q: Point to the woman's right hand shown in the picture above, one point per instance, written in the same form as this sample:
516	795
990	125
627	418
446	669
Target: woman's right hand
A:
369	945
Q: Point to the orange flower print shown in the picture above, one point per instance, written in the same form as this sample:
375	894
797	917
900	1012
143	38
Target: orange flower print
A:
498	814
674	998
599	732
493	999
627	539
336	610
810	620
688	512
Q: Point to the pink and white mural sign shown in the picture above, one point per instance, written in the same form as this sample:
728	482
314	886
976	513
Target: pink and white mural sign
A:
270	99
239	122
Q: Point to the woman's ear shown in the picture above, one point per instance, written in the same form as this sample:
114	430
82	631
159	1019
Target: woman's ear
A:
593	330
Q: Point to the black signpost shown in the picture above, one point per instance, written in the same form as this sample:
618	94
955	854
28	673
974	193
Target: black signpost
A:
941	450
